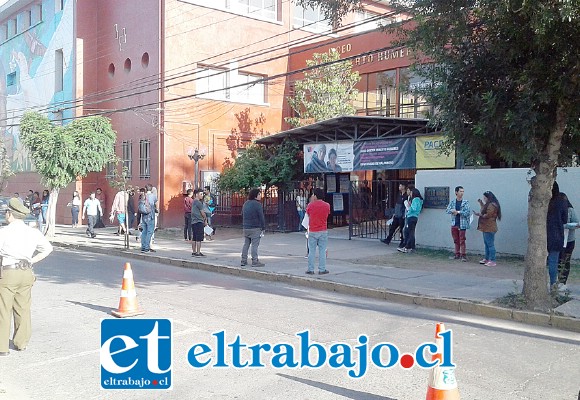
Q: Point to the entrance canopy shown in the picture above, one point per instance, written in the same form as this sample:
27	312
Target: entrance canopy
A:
354	128
361	143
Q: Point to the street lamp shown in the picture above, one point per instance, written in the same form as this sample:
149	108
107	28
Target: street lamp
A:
195	156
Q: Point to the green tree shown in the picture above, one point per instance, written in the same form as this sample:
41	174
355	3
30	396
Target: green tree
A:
257	166
62	154
120	181
5	167
325	92
506	82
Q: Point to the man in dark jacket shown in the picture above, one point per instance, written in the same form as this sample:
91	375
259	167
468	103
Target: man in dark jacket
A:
555	220
254	225
399	216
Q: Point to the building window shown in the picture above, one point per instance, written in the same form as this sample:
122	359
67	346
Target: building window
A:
212	83
144	159
4	32
264	9
411	104
128	157
26	19
260	8
110	168
36	15
311	19
57	119
11	79
58	70
12	28
254	92
368	21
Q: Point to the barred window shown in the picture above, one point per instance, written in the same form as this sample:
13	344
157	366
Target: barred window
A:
128	157
110	168
144	159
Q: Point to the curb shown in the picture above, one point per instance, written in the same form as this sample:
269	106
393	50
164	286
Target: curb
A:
461	306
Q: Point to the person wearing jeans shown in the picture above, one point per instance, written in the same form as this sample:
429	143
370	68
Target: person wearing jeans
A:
411	221
460	213
91	209
566	253
148	220
556	218
489	214
254	223
318	211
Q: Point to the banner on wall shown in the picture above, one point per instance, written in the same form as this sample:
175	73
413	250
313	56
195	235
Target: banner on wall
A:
429	154
328	157
360	156
385	154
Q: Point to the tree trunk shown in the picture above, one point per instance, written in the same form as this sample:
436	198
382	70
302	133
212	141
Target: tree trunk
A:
535	273
49	228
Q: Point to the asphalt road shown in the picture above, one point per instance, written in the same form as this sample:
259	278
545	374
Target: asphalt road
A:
74	291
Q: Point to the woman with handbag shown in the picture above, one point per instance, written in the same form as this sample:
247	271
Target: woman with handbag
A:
489	214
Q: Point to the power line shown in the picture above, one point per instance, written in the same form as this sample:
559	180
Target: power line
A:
157	82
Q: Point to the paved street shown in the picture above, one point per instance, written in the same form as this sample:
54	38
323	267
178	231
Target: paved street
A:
360	266
75	290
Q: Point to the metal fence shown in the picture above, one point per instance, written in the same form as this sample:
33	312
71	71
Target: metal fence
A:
369	204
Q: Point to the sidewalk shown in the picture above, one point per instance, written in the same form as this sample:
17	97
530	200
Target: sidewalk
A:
362	267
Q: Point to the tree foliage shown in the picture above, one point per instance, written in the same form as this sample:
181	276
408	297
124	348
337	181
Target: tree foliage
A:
257	166
505	82
61	154
325	92
507	74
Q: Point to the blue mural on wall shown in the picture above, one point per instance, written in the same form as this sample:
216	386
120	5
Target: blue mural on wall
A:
28	76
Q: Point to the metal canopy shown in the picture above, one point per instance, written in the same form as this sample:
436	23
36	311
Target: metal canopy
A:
359	128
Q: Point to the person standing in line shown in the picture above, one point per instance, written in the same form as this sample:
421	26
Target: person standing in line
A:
460	212
556	218
119	209
91	209
35	208
198	222
44	204
300	208
209	208
415	207
147	210
18	245
131	210
318	211
75	208
566	253
28	199
187	228
398	217
489	214
156	209
100	195
254	224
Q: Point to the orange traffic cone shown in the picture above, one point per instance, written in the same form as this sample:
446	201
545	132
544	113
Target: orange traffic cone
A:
128	303
442	383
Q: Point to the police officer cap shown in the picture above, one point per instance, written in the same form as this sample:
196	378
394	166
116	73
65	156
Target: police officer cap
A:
17	208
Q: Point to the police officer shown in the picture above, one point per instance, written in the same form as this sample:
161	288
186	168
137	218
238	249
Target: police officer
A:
18	245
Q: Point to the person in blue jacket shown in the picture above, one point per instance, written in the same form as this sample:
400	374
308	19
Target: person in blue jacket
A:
415	207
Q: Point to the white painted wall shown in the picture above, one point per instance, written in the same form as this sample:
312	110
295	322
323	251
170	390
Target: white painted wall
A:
511	188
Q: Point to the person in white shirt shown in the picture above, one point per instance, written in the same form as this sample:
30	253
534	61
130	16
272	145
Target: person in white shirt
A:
20	248
92	209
